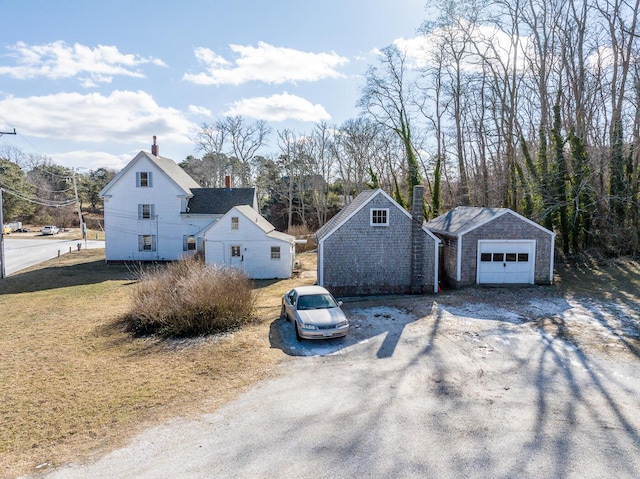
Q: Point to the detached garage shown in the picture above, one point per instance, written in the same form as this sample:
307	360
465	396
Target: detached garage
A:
492	246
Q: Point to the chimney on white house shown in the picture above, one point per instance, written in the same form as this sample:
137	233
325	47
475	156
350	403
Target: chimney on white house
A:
155	150
417	239
227	181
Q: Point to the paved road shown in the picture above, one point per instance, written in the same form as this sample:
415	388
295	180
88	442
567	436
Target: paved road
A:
412	393
21	253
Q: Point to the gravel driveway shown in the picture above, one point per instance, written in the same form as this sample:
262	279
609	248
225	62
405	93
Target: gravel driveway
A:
494	383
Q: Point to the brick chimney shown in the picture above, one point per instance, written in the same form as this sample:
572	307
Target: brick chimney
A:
227	181
417	240
155	149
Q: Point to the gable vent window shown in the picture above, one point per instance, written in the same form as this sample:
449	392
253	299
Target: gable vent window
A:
379	217
143	179
235	222
275	252
146	212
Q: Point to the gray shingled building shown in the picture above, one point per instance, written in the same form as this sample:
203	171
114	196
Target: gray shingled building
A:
374	246
492	246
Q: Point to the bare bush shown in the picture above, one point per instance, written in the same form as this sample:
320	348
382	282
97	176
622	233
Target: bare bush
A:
303	232
189	298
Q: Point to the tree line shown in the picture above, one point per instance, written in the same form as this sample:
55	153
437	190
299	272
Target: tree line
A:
38	191
527	104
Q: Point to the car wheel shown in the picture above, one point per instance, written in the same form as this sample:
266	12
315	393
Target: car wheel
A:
298	337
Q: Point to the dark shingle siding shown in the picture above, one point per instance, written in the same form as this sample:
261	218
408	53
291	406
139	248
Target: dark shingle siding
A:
363	259
217	201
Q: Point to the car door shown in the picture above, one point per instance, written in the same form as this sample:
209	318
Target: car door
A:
290	304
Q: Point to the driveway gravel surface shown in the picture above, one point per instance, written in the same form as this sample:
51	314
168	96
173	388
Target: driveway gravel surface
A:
493	383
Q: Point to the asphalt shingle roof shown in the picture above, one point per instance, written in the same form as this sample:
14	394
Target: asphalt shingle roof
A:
362	198
217	201
463	218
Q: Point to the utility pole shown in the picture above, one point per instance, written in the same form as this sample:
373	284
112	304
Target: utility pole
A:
8	132
2	268
82	228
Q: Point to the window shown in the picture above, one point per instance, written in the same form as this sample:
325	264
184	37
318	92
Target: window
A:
188	243
511	257
523	257
235	222
146	243
275	252
380	217
235	251
146	212
143	179
485	256
498	257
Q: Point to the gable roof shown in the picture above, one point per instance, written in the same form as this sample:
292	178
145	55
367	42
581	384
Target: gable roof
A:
217	201
356	205
463	219
257	219
166	165
345	213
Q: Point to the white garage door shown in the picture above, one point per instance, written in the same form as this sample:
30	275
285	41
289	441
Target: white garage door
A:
506	262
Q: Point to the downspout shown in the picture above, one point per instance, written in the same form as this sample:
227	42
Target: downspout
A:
321	262
459	261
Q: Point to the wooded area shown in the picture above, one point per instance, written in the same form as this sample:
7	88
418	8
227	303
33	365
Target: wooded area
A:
526	104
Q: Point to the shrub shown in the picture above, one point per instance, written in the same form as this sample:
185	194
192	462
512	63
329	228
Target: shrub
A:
189	298
303	232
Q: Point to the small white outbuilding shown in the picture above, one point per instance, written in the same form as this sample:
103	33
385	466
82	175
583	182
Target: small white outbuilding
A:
244	239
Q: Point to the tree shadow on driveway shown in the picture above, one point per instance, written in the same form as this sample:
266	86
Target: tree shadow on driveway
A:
376	321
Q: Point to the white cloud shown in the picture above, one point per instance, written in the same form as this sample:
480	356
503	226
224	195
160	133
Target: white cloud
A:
91	160
58	60
121	117
265	63
199	110
279	108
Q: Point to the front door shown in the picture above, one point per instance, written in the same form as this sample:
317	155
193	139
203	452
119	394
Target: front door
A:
236	255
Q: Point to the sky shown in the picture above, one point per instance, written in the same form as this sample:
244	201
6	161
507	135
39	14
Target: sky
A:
88	83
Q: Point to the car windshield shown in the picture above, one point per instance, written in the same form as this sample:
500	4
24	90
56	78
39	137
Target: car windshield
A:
316	301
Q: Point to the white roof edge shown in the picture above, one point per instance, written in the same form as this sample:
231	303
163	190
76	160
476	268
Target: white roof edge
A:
353	213
388	197
128	166
501	213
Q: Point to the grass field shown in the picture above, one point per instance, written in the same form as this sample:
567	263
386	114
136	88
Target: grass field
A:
72	383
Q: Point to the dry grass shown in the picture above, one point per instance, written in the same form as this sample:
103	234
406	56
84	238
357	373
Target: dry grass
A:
73	383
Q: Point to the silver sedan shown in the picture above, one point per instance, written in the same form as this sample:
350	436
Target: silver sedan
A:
314	313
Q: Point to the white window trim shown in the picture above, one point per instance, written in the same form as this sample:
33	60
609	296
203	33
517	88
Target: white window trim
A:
235	225
371	223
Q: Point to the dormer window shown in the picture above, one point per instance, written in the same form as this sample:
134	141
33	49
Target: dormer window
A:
235	223
143	179
379	216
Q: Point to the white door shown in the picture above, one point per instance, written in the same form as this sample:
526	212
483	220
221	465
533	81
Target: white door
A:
236	255
506	262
